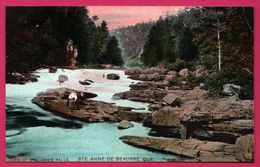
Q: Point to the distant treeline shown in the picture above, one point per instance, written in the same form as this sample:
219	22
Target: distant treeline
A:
198	35
37	36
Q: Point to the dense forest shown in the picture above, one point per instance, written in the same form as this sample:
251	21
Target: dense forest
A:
197	36
220	40
37	36
132	40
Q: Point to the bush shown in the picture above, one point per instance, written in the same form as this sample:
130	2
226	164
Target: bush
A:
191	81
238	76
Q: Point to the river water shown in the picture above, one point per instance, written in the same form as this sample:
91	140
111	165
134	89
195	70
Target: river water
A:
35	134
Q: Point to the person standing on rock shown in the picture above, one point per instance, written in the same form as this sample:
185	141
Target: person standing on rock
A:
72	99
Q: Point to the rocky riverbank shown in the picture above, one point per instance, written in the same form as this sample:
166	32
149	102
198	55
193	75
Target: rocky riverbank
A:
198	150
183	112
56	100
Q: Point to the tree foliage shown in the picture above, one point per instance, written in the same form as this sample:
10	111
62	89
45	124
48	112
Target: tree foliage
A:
112	53
37	36
192	35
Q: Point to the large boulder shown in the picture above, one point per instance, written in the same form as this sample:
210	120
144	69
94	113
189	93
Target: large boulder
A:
131	71
245	148
113	76
52	69
172	100
150	96
86	82
170	77
148	77
62	78
33	77
125	125
225	131
200	72
231	89
184	72
154	107
153	70
19	78
172	73
56	100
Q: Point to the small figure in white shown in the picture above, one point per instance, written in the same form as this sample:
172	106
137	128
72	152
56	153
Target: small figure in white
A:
72	98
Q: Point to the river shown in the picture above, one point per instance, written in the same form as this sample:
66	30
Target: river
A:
35	134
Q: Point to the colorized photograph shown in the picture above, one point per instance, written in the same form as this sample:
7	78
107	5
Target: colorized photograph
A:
129	84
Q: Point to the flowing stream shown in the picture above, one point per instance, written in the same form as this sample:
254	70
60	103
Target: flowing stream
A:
35	134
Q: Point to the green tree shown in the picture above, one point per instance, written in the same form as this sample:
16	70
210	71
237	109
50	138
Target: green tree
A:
42	35
112	53
155	48
100	40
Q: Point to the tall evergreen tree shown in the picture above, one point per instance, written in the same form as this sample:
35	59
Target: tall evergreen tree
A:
112	53
101	39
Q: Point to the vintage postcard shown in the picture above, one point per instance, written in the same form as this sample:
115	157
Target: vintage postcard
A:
129	84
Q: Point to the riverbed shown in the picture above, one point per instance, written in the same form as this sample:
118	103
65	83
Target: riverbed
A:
37	135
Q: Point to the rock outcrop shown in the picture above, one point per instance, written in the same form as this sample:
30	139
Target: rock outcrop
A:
172	100
150	96
86	82
131	71
171	75
219	127
52	69
19	78
125	125
155	93
245	148
217	120
56	100
200	72
149	74
62	78
154	107
113	76
184	72
148	77
231	89
197	150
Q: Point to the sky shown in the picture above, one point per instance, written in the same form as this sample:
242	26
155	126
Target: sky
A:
120	16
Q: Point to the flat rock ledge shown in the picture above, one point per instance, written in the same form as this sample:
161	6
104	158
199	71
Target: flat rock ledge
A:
197	150
55	100
222	120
